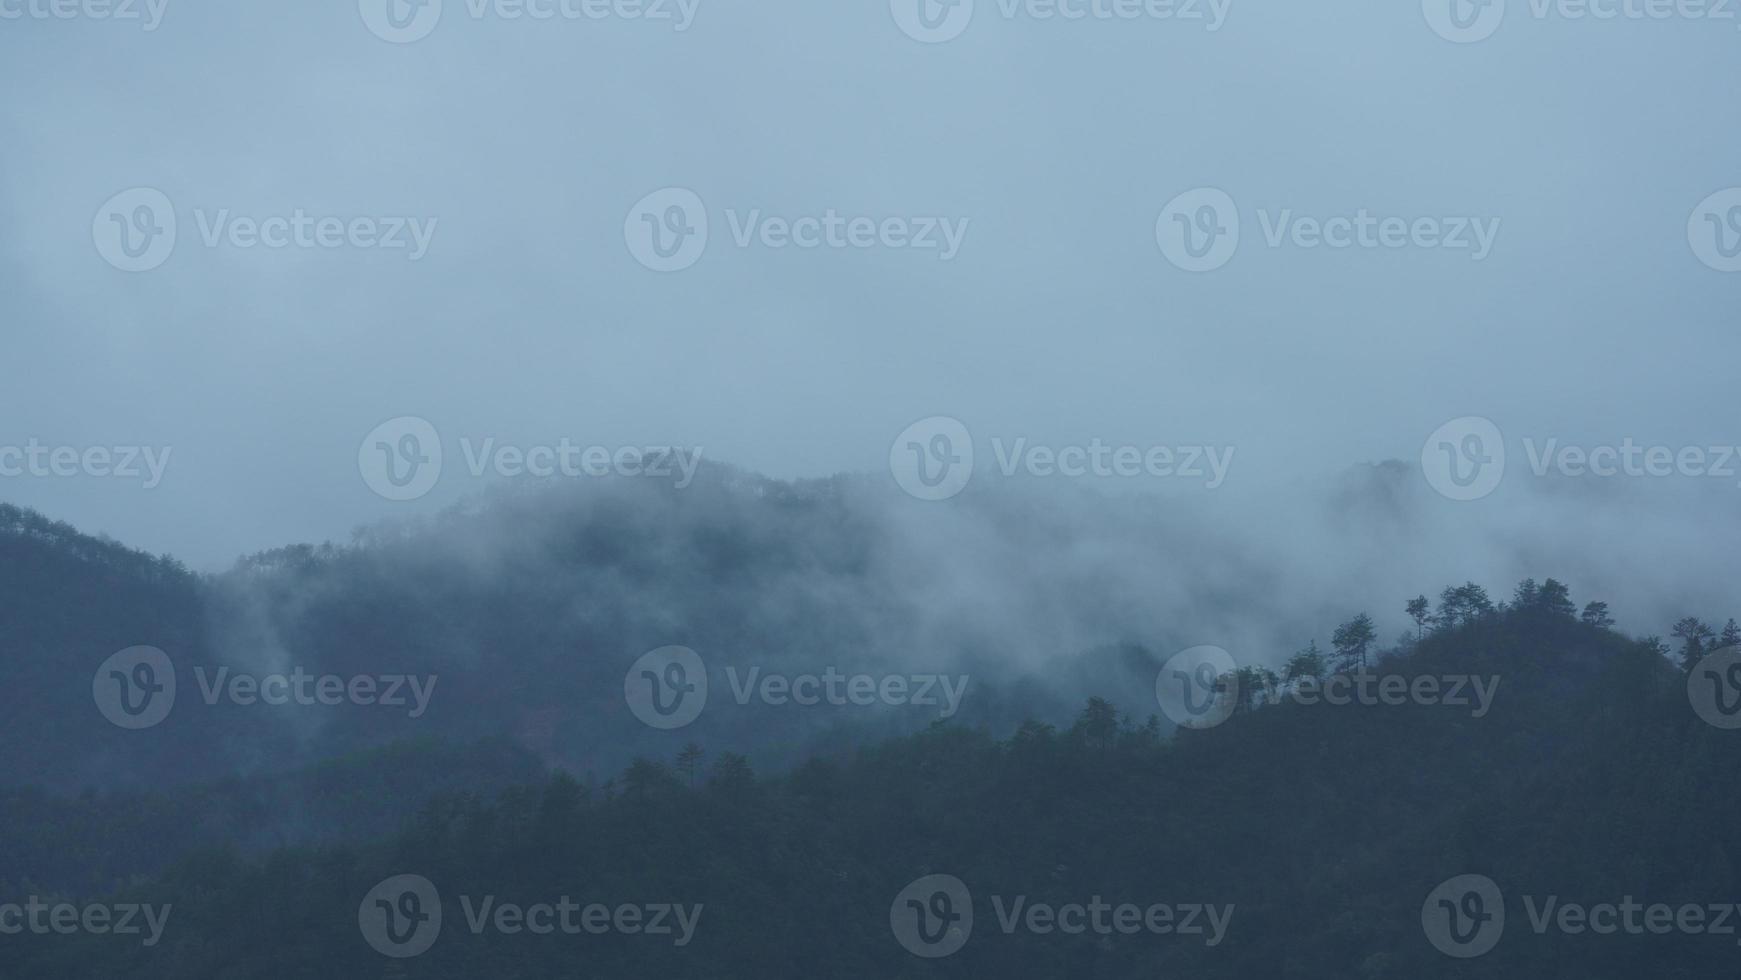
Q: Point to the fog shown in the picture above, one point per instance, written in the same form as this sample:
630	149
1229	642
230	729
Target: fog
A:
518	146
536	598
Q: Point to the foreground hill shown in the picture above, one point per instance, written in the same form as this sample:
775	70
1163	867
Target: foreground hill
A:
1316	831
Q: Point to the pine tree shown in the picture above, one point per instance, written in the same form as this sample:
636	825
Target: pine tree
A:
689	761
1463	604
1351	641
1556	600
1695	640
1596	614
1306	663
1526	595
1420	610
1731	635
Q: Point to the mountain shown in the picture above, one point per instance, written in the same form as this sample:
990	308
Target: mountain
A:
518	616
1315	831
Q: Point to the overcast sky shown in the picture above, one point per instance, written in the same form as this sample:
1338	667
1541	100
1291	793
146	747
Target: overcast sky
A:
521	150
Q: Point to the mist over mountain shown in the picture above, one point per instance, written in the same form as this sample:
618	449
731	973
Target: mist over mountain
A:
518	614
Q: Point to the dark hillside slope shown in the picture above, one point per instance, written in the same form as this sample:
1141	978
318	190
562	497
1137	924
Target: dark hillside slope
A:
1325	827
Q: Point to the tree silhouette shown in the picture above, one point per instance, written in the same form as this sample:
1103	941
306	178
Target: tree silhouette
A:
1306	663
1695	639
1463	604
1731	635
1421	611
1351	641
1596	614
1097	725
689	762
1556	599
1527	595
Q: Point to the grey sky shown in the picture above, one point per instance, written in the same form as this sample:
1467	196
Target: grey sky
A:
1059	321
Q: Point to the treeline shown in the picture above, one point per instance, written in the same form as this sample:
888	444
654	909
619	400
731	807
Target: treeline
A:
1354	643
1324	829
24	525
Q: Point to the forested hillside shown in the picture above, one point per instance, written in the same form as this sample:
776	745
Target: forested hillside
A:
1319	829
